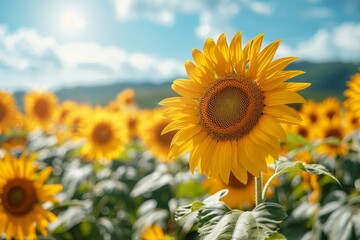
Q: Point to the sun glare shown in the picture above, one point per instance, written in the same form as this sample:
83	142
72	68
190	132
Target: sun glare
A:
71	21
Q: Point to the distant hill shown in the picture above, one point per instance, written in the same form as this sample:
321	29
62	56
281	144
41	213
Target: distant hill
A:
327	79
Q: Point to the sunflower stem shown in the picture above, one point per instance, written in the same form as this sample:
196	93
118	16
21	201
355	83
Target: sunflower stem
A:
258	189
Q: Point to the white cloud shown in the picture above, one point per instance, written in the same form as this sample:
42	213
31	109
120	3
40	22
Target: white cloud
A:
341	43
28	59
261	8
214	15
318	12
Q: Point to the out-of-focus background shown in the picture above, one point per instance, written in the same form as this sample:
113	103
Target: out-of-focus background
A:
89	51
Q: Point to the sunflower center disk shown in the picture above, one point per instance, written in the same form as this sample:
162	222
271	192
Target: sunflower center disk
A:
41	108
333	132
102	134
18	197
231	107
2	111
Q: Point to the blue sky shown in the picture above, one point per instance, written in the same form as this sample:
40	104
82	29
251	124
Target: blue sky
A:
53	44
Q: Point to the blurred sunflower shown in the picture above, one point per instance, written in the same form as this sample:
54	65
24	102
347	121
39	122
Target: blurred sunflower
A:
352	94
21	193
310	112
64	109
241	196
73	120
132	122
306	130
40	107
150	128
105	133
352	121
230	109
330	109
332	129
8	111
154	232
124	100
310	184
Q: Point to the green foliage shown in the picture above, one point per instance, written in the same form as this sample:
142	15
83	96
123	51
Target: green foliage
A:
216	221
340	216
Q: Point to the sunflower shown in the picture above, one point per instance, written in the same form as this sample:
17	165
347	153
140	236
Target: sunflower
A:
105	133
124	100
132	122
306	130
40	107
352	121
330	109
310	184
336	130
241	196
8	111
154	232
352	94
22	192
64	109
69	130
310	112
230	109
150	128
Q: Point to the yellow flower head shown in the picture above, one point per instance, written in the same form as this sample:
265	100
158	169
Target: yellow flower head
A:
230	109
151	125
330	109
22	192
124	100
332	129
154	232
64	109
105	133
352	121
40	107
352	94
8	112
241	196
132	118
310	113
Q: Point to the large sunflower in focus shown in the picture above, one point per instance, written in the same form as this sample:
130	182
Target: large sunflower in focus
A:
352	94
40	107
151	126
231	107
21	193
241	196
105	133
8	111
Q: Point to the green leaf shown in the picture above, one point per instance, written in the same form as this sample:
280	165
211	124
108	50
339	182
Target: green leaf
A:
189	189
276	236
294	141
218	222
269	213
153	181
184	211
71	217
284	166
341	216
320	169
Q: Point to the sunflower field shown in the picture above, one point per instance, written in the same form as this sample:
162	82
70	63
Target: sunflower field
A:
237	153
